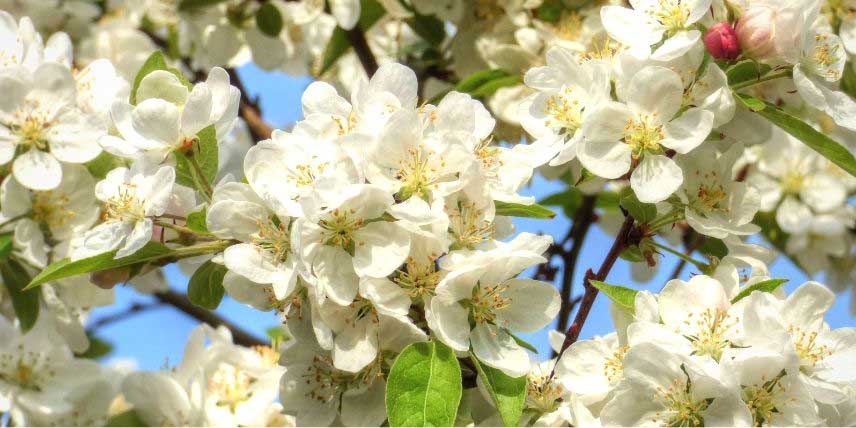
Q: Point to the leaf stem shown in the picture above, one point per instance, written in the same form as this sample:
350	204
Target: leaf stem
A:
207	190
680	255
767	78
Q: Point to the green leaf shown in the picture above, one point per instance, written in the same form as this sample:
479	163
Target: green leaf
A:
713	247
520	210
570	200
508	393
479	78
745	71
819	142
848	80
155	62
428	27
424	386
205	288
25	303
205	152
642	212
276	334
102	164
128	418
66	268
197	221
97	348
491	87
370	12
767	286
607	200
633	254
622	296
550	11
522	342
269	20
5	245
184	5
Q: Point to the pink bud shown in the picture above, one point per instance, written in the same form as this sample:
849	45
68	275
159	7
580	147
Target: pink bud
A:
755	30
721	41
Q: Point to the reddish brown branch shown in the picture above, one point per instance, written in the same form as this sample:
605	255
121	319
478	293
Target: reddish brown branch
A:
583	219
362	49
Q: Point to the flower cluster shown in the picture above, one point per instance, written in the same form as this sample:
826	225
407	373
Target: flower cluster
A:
380	225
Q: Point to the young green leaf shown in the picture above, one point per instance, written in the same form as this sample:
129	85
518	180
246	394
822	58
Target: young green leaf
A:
745	71
424	386
5	245
66	268
370	12
128	418
428	27
767	286
819	142
508	393
104	163
197	221
205	288
642	212
269	19
24	303
621	296
204	153
155	61
519	210
479	78
97	348
522	342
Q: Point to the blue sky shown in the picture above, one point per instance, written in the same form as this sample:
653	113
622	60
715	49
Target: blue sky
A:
155	338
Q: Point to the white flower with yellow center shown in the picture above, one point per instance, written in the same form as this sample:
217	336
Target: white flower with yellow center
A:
131	198
566	92
638	132
482	287
649	22
350	238
591	368
41	126
264	256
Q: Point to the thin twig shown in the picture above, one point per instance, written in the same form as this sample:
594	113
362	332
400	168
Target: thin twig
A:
583	219
620	243
362	49
182	303
132	310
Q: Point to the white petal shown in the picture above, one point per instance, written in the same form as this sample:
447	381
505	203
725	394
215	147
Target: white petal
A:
676	45
139	236
656	178
688	131
246	260
533	305
381	247
356	346
448	320
347	12
655	91
605	159
37	170
498	349
197	111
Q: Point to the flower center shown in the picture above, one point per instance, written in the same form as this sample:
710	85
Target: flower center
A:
488	156
124	207
230	385
762	399
565	111
468	226
418	279
273	237
643	135
807	348
825	56
569	26
672	14
613	367
712	327
50	208
28	370
339	228
680	408
418	173
31	132
710	198
486	300
328	382
542	393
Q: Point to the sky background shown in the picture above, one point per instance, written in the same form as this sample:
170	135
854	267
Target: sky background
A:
155	338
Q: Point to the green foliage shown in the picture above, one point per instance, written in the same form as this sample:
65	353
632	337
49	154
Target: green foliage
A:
371	11
819	142
522	342
642	212
205	288
104	163
767	286
25	303
155	62
428	27
482	83
269	19
622	296
508	393
569	199
204	152
66	268
713	247
5	245
424	386
520	210
128	418
197	221
746	71
97	348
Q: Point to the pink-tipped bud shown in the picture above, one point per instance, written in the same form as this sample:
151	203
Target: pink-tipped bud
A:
755	31
721	41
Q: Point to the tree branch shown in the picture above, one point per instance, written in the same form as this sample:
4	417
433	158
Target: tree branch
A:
583	219
362	49
182	303
620	243
132	310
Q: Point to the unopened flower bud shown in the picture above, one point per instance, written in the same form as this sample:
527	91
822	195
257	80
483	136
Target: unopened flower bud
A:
721	42
755	31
